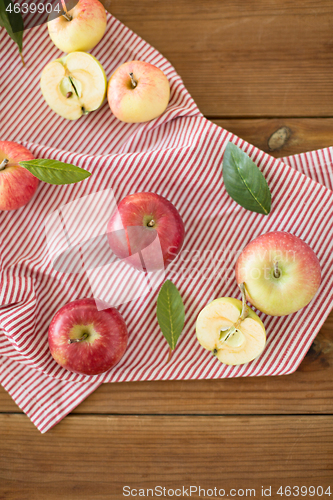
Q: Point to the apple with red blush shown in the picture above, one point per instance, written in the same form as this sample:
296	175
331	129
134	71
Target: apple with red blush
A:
138	92
280	271
80	28
147	230
17	185
86	339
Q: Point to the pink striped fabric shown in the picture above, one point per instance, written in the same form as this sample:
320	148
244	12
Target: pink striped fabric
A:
179	156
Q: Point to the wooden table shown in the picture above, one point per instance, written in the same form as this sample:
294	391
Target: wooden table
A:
253	66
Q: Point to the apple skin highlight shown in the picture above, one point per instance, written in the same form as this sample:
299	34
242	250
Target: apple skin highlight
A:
106	341
299	269
17	184
144	102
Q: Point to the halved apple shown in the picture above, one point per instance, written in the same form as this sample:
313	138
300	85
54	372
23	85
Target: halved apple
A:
231	330
74	85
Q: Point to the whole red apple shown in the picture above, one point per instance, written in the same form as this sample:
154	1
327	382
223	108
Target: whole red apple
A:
280	271
85	340
148	227
17	184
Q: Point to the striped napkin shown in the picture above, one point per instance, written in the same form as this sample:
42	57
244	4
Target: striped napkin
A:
179	156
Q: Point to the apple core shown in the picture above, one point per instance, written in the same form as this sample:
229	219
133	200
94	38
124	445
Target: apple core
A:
74	85
231	330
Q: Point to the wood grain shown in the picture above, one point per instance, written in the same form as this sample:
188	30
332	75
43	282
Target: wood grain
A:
257	58
305	134
94	457
308	390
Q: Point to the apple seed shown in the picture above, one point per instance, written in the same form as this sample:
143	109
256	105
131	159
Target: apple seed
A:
69	94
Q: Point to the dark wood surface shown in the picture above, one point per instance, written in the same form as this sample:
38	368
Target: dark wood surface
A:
253	67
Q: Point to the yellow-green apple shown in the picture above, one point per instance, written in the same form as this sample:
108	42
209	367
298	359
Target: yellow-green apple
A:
138	92
281	273
80	28
17	185
148	225
86	340
74	85
231	331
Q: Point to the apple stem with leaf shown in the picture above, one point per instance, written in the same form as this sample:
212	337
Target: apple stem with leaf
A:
4	164
133	82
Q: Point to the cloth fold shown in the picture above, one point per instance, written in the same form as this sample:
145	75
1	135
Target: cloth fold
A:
178	155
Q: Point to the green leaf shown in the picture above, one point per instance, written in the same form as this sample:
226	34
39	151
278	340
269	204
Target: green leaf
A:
170	313
55	172
244	182
12	22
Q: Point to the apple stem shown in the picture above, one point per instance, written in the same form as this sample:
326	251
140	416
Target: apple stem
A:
277	272
244	314
151	223
84	337
67	16
245	309
170	354
22	59
133	82
4	164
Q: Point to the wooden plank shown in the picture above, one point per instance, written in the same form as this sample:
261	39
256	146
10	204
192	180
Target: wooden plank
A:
309	390
95	457
243	59
304	134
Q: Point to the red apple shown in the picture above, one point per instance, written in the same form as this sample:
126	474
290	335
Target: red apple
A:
138	92
85	340
281	273
17	184
146	230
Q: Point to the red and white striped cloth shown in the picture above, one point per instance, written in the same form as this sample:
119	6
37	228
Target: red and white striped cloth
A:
179	156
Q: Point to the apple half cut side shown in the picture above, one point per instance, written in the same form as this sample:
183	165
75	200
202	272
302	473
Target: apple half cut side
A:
231	330
74	85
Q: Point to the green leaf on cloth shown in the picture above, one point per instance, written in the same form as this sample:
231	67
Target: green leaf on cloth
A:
244	182
170	313
55	172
